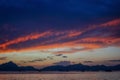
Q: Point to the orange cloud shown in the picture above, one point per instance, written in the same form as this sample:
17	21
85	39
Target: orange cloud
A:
70	44
64	35
87	44
111	23
24	38
59	39
74	33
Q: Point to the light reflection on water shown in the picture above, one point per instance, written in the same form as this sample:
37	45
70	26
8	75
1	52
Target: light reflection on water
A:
73	76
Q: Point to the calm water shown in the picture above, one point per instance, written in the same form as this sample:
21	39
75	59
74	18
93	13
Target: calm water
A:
70	76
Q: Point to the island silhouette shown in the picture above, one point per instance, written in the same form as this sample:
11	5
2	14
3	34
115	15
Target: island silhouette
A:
11	66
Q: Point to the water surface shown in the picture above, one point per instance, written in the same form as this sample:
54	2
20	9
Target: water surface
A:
64	76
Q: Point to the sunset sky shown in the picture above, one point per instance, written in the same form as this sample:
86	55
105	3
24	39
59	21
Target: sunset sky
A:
40	33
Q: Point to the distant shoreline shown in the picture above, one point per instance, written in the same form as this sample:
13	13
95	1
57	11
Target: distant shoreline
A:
52	72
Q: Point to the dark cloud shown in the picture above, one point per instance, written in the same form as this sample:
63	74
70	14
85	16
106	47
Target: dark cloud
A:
59	54
3	58
35	60
65	56
88	61
23	62
114	60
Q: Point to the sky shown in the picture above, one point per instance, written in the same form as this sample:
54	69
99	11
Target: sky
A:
41	33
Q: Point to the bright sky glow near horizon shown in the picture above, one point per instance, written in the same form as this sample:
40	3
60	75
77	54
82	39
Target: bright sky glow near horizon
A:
40	33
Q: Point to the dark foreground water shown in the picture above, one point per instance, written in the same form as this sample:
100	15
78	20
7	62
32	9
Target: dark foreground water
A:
64	76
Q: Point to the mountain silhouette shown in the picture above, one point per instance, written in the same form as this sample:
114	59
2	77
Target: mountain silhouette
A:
81	67
10	66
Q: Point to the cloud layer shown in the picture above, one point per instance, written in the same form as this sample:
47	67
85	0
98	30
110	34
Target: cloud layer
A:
70	24
92	37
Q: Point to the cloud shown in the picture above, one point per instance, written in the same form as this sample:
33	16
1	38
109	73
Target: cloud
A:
35	60
59	54
88	61
3	58
114	60
71	50
64	63
49	24
23	39
65	56
50	57
112	23
92	37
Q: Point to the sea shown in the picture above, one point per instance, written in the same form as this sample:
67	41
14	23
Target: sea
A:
62	76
